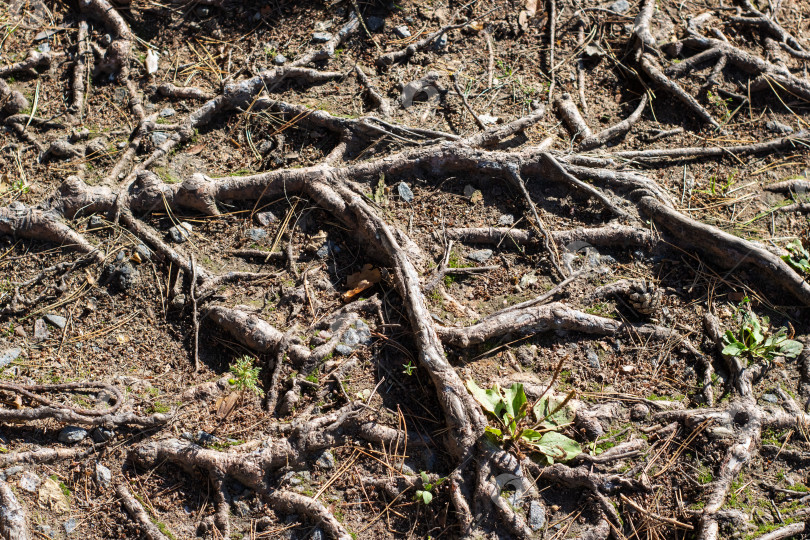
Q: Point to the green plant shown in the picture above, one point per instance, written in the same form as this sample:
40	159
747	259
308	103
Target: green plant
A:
755	339
510	408
159	407
245	376
799	258
425	495
409	368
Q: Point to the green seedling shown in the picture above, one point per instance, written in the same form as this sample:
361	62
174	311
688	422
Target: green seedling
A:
755	339
799	258
425	495
409	368
245	376
511	409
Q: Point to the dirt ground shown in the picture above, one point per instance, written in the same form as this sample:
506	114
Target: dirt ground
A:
252	254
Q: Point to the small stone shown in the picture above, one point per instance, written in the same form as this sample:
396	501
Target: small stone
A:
363	332
537	515
505	220
619	6
488	119
405	192
441	43
593	359
158	138
167	112
265	218
778	127
317	534
103	475
143	252
180	233
41	332
16	469
351	338
102	434
70	525
56	320
124	276
402	32
639	411
321	37
241	509
203	11
481	255
20	331
256	235
326	460
44	529
151	62
279	59
527	280
469	190
121	96
375	24
344	350
44	47
72	435
95	222
29	482
770	398
9	355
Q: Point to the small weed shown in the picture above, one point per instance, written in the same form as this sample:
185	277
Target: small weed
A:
755	340
245	376
799	258
159	408
425	495
409	368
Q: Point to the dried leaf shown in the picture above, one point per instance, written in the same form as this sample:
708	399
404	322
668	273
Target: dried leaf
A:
362	280
151	62
227	404
196	149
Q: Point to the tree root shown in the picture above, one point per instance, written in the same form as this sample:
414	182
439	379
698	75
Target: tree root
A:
148	529
13	522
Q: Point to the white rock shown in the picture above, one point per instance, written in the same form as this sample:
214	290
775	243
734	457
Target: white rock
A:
151	62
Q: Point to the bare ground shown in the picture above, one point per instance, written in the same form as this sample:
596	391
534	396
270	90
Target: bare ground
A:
374	204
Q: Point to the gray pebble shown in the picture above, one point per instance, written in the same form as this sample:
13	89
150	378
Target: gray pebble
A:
441	43
11	471
593	359
770	398
344	350
29	482
321	37
481	255
44	529
70	525
639	411
326	460
167	112
241	509
279	59
158	138
537	515
102	434
9	355
180	233
405	192
143	252
96	222
619	6
256	235
351	338
56	320
375	24
44	47
505	220
203	11
103	475
41	332
402	32
469	190
265	218
778	127
72	435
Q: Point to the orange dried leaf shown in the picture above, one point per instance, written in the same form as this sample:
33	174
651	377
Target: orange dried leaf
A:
226	405
362	280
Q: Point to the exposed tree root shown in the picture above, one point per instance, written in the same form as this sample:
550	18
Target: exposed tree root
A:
13	521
